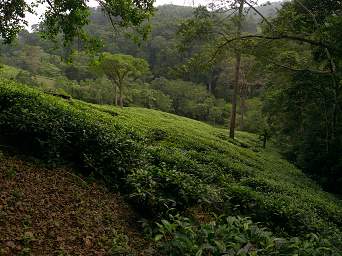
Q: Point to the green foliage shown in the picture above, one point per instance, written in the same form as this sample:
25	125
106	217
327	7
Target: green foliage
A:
144	96
119	245
254	121
99	91
9	72
119	68
302	70
12	23
59	131
26	77
160	50
68	18
233	236
165	163
199	27
302	116
303	106
193	100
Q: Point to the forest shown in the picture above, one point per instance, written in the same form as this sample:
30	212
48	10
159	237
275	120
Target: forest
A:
135	129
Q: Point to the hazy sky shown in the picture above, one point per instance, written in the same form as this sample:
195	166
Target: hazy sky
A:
35	19
190	2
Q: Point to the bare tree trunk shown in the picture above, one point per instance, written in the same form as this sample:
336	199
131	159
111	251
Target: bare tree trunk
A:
235	94
264	141
121	97
116	94
243	111
335	108
237	75
243	96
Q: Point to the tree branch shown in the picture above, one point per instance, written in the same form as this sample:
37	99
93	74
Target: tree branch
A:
299	69
284	37
327	52
107	14
49	3
260	14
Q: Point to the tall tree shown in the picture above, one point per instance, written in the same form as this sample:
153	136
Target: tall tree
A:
119	68
216	27
237	72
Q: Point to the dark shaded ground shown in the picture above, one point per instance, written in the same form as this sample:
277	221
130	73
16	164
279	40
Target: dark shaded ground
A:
54	212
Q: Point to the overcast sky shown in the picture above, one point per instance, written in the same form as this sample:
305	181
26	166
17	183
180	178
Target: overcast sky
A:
190	2
35	19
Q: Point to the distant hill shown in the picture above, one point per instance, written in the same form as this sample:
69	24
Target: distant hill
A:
160	49
269	9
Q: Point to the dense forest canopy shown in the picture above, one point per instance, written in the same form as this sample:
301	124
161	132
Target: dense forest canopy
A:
268	75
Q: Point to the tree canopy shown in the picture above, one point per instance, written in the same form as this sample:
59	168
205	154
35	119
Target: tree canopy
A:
120	67
68	17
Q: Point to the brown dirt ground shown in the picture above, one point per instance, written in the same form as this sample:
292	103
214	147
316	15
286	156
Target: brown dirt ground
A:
54	212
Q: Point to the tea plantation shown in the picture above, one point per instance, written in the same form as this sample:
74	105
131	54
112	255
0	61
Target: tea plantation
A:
201	193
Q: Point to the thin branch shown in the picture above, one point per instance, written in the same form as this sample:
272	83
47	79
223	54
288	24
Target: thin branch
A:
228	16
332	63
217	51
299	69
284	37
260	14
320	72
49	3
108	15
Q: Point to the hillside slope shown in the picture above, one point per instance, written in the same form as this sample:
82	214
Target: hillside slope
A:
169	164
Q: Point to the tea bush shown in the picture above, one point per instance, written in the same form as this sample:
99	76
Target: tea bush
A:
232	236
162	162
58	131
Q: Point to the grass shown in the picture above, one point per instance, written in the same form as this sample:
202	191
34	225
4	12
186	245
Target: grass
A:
169	164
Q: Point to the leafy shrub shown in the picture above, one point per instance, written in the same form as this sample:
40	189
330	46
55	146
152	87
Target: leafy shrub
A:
60	131
192	100
161	189
157	134
233	236
143	96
